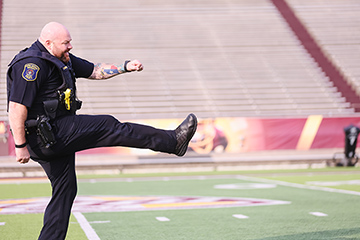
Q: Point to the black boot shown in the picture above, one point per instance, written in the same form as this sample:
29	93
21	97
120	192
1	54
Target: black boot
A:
184	132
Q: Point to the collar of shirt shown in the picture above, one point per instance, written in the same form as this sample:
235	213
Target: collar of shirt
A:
38	46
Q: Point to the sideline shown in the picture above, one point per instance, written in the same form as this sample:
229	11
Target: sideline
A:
297	185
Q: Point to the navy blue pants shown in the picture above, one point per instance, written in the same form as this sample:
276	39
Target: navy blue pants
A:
80	132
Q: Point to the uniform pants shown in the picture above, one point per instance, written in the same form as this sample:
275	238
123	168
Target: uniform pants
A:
80	132
61	173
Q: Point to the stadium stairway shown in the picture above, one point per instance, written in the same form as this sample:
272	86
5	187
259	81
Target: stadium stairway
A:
334	24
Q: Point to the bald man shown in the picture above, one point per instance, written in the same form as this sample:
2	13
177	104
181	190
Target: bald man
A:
42	107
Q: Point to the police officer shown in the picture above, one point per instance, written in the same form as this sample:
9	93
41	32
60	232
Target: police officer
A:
42	108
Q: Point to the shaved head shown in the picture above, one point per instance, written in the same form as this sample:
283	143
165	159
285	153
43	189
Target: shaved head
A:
53	31
56	39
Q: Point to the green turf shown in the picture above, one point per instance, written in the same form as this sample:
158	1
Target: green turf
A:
279	222
20	226
283	222
24	190
266	222
247	172
28	226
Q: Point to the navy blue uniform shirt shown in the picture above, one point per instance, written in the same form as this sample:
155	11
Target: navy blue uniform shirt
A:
36	80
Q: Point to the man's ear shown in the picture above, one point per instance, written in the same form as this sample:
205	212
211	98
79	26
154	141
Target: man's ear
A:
48	44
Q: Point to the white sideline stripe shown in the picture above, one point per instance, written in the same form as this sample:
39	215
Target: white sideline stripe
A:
2	223
318	214
240	216
297	185
334	183
85	225
162	219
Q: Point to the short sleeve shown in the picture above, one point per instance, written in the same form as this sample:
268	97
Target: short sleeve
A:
26	76
82	67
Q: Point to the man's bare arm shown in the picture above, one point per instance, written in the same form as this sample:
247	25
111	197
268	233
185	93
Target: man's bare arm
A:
17	116
105	71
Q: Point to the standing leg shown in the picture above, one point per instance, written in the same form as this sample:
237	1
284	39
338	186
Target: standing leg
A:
61	173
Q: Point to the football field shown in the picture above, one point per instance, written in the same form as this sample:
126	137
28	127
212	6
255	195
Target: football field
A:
267	205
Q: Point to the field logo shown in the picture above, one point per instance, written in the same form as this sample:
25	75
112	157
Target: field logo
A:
133	203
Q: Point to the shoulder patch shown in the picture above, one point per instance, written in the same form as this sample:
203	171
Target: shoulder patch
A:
30	72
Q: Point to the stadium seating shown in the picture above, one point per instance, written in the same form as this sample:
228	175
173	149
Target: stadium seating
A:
212	58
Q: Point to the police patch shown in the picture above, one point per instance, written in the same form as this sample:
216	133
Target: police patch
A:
30	72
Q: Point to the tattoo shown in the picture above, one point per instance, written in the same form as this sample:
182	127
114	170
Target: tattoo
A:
111	71
105	71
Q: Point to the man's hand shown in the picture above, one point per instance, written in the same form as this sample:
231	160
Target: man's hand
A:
22	155
134	65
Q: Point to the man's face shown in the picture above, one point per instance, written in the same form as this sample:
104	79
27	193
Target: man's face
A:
61	47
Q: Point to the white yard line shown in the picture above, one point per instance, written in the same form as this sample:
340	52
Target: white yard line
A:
85	225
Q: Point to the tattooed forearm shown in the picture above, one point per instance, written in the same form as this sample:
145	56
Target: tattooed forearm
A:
105	71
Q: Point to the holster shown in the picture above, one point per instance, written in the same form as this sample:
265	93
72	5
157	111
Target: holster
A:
43	129
68	99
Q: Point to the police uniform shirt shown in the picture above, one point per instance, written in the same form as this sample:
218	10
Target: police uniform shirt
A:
36	80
